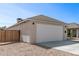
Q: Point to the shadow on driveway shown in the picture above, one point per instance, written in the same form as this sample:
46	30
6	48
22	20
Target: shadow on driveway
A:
49	45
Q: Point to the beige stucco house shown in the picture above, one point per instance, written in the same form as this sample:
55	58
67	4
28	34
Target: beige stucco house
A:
39	29
72	31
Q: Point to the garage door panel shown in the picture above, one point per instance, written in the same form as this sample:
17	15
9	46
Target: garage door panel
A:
49	33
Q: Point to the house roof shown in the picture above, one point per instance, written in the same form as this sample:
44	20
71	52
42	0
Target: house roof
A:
38	17
43	17
72	25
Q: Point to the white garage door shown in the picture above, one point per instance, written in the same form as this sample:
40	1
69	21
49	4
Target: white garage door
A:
47	33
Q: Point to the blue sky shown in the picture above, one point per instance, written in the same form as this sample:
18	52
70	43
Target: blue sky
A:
64	12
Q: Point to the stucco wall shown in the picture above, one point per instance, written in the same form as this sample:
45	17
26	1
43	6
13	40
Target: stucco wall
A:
27	31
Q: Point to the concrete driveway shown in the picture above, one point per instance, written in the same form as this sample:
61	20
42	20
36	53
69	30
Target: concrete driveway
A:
67	46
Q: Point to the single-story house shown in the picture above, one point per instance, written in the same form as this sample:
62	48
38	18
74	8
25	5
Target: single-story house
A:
39	29
72	30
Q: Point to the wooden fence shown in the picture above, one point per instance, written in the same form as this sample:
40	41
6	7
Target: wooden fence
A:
9	36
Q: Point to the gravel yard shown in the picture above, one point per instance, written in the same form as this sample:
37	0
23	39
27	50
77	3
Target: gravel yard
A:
24	49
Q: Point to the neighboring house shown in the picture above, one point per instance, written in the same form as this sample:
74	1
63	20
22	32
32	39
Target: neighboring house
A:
72	30
39	29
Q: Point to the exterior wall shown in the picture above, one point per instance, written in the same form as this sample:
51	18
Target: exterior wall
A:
48	22
65	33
27	31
